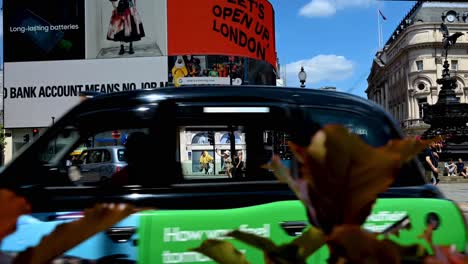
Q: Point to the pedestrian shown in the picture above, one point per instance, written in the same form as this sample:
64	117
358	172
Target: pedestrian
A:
239	164
227	162
450	168
464	172
460	165
430	164
205	160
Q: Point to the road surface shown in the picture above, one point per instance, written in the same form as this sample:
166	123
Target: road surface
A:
457	192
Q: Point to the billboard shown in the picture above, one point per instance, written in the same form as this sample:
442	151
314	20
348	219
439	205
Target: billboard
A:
83	29
219	70
54	49
37	91
230	27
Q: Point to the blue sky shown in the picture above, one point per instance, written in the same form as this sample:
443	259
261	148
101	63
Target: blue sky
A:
335	40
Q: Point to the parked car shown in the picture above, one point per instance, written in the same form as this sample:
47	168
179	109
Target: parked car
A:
193	206
100	163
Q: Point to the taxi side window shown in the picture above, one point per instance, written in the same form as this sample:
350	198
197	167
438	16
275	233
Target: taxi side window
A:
83	157
106	156
96	156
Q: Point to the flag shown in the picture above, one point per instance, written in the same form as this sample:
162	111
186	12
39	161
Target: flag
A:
380	12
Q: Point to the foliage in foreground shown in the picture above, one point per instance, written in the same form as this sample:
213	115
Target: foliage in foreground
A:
65	236
338	200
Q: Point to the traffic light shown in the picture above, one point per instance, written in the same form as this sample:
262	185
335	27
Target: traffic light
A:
211	137
26	138
35	131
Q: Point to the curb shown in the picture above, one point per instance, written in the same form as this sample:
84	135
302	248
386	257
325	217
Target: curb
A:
463	207
452	179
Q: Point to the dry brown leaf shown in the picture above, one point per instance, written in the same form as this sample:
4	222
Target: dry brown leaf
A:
344	175
254	240
68	235
310	241
294	252
441	254
222	252
11	207
359	246
446	255
297	185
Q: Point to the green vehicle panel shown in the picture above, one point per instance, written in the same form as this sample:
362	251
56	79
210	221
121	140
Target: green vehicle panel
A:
168	236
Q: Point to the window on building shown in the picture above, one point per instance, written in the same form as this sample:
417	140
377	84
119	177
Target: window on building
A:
397	114
421	103
201	138
454	65
421	86
419	65
402	112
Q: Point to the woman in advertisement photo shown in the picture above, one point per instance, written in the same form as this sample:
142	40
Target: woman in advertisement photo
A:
126	25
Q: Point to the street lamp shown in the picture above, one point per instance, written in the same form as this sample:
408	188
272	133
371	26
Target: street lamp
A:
302	77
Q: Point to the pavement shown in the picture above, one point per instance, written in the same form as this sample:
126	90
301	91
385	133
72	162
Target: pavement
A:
453	179
457	192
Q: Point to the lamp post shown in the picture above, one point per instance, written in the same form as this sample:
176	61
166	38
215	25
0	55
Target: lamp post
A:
302	77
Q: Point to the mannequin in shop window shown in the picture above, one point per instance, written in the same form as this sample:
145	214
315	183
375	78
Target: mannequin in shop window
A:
126	25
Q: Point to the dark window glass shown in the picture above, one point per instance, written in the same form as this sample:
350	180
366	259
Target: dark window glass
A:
121	155
106	156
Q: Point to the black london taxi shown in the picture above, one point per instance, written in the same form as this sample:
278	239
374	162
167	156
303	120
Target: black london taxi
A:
198	152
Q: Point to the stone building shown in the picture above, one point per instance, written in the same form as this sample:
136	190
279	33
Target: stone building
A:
404	73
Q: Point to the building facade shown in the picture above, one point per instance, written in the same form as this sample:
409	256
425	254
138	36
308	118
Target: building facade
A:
404	73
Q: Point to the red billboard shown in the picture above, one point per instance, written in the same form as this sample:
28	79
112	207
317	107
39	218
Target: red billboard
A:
225	27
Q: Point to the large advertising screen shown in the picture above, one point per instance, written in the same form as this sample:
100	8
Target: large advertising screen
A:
189	70
84	29
228	27
54	49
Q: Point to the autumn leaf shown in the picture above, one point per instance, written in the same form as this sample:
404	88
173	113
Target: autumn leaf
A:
310	241
294	252
297	185
441	254
284	254
259	242
446	255
68	235
221	251
357	245
11	207
341	175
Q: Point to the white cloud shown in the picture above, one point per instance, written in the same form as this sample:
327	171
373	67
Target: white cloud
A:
318	8
320	68
322	8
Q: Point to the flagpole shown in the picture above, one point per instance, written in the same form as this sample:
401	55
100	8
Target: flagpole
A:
379	32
